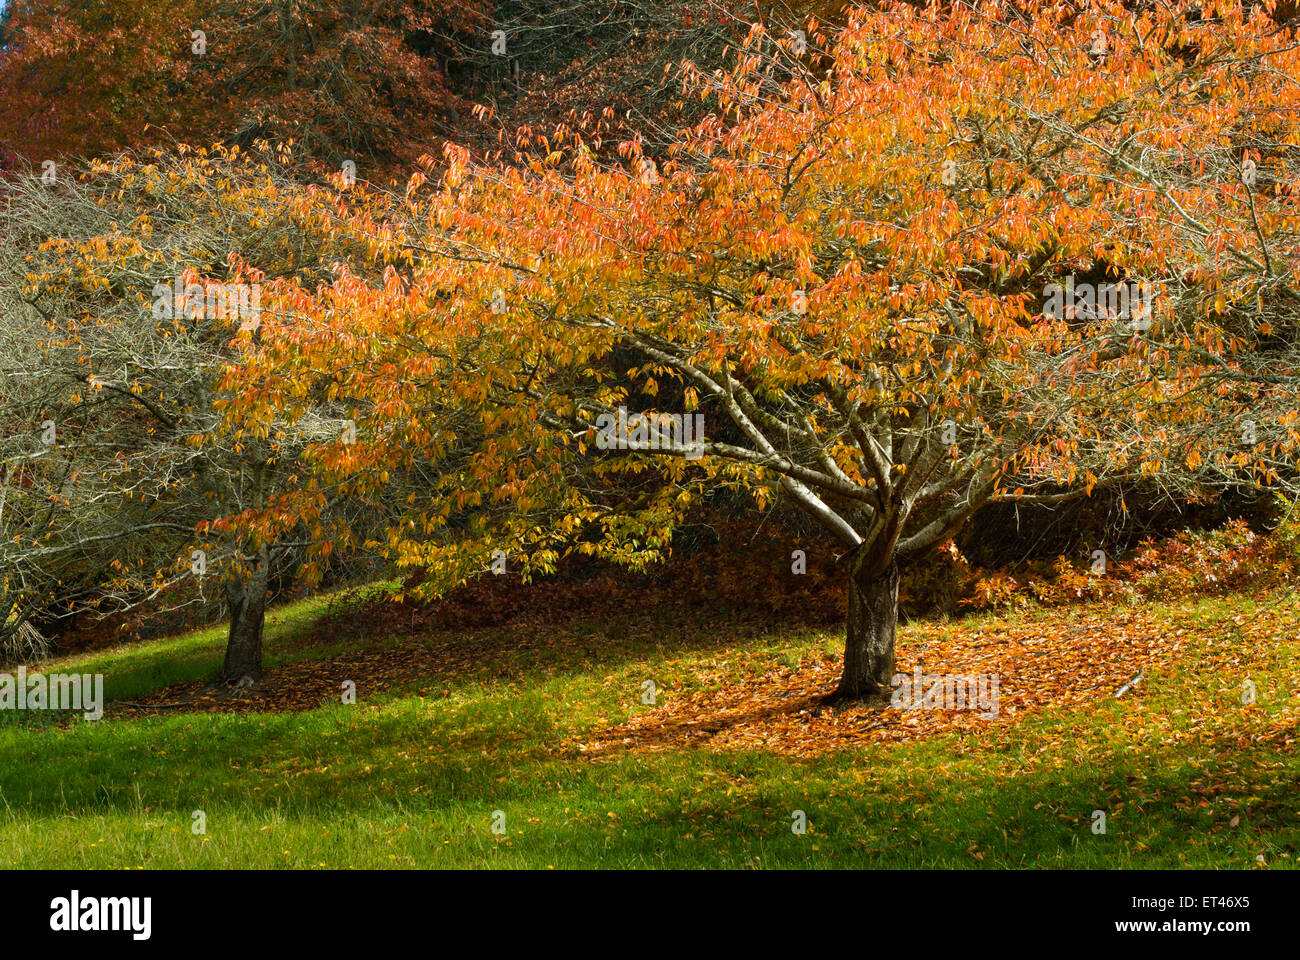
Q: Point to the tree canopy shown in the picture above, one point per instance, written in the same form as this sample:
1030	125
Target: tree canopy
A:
959	256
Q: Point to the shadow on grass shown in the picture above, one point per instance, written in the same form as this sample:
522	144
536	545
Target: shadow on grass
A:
432	664
939	802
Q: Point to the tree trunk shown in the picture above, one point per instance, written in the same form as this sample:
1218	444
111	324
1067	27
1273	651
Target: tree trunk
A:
247	600
869	643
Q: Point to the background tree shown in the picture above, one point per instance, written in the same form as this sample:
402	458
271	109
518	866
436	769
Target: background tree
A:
139	469
357	80
88	78
611	67
348	80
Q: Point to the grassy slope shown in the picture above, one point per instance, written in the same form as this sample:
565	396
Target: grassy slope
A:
411	777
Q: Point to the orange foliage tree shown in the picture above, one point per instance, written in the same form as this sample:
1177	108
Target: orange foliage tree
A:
977	253
86	78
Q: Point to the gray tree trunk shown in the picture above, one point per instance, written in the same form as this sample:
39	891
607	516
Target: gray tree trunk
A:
869	642
247	601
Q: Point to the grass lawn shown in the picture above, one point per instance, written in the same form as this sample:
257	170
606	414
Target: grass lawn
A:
546	725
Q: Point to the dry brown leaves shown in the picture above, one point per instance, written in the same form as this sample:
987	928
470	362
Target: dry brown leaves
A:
1070	661
737	699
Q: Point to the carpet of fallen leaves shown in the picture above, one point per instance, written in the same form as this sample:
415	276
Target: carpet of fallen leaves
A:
1065	661
739	699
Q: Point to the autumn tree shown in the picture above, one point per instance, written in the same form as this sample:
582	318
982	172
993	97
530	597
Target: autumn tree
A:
355	80
977	254
610	66
122	290
88	78
345	80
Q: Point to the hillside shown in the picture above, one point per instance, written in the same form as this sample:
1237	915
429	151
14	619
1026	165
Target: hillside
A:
546	725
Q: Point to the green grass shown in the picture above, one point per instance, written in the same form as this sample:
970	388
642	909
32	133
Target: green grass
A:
412	777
